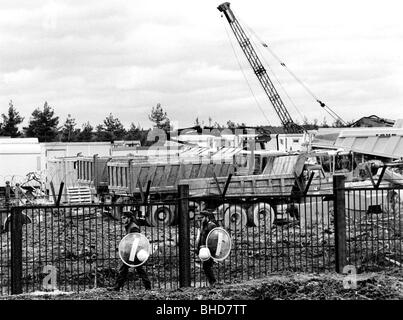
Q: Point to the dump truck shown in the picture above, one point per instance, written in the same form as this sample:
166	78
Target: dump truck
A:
282	192
135	180
140	181
158	182
284	180
128	177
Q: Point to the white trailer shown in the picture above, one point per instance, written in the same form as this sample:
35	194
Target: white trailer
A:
52	150
18	157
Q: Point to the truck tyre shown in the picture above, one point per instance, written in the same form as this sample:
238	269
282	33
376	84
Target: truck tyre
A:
235	218
161	216
261	214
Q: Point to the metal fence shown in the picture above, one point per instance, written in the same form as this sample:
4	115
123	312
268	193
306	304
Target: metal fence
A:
267	240
374	226
316	233
5	255
80	244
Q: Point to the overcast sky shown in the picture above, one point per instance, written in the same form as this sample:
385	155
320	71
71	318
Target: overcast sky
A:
91	58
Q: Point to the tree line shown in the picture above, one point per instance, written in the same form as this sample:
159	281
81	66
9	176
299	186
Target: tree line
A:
46	126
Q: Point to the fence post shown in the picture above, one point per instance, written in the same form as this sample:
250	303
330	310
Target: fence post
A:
8	195
339	221
16	250
184	236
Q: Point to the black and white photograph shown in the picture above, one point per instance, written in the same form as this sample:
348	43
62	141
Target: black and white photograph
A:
201	157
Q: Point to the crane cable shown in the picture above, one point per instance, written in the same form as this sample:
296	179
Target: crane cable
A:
322	104
277	80
244	75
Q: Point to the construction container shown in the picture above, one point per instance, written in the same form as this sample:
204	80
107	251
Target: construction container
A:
18	157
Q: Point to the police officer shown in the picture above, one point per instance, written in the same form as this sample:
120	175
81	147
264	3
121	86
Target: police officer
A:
208	223
130	227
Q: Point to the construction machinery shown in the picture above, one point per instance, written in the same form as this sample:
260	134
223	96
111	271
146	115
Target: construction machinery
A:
242	200
289	125
129	180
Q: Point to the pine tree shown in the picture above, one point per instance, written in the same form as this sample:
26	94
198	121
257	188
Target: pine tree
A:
43	124
324	123
160	118
68	132
133	133
111	130
210	121
137	133
11	121
216	125
338	124
231	124
87	133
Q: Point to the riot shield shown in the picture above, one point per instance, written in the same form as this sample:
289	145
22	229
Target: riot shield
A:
134	249
218	241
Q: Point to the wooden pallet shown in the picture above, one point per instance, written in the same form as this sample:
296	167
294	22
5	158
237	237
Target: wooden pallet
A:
79	195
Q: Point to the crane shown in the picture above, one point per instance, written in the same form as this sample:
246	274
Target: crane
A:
289	125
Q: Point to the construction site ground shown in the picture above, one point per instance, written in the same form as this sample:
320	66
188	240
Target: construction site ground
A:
283	286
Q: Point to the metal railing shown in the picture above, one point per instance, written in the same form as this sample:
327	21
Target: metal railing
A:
374	227
78	244
267	240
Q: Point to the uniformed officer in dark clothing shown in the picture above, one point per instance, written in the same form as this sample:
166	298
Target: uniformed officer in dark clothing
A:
131	227
208	223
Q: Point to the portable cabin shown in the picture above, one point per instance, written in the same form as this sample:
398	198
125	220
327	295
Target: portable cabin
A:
18	157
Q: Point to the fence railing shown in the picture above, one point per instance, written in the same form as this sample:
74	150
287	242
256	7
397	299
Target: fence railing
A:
374	228
264	242
76	246
80	244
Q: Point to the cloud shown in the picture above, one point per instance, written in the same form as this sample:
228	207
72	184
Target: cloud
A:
90	57
23	77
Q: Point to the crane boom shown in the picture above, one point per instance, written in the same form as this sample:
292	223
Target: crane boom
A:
260	71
